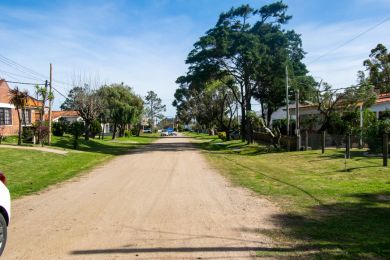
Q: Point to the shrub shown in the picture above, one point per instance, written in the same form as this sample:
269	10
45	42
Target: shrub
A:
43	133
58	129
127	133
135	130
76	129
222	135
282	125
28	133
374	135
96	128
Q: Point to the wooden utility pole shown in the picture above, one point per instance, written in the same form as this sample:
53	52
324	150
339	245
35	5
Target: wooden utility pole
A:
385	149
297	123
51	97
287	106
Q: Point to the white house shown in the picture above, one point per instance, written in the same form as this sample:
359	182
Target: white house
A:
382	104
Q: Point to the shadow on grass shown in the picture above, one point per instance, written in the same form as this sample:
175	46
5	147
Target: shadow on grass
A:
97	146
340	154
237	147
357	229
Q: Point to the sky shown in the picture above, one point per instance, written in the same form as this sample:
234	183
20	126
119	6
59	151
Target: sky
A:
145	43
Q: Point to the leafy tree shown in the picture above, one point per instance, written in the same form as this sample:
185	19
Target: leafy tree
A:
122	107
153	107
378	67
331	101
19	100
85	100
254	55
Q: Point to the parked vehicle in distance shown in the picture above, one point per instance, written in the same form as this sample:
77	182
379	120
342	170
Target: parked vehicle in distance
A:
147	131
164	133
5	211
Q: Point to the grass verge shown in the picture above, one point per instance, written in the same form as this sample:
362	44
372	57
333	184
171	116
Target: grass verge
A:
332	208
30	171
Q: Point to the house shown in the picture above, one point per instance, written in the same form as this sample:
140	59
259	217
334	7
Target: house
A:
382	104
69	116
9	122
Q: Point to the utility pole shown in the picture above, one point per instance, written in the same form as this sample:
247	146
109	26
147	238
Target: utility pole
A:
287	106
51	97
297	124
361	127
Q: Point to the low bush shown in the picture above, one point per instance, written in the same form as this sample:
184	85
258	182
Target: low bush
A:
58	129
28	133
96	128
76	129
222	135
374	135
127	133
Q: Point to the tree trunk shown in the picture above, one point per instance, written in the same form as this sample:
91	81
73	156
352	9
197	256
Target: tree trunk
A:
270	111
114	131
248	125
20	128
243	123
87	130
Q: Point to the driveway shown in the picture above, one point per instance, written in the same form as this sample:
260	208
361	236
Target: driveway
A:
162	201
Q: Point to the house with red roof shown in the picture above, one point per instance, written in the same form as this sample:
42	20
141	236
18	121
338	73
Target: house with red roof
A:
9	122
382	104
69	116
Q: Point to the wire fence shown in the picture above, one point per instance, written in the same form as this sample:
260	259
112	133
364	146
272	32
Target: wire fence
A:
374	145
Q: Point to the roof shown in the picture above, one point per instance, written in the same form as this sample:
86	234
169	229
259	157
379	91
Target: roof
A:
64	113
383	98
31	102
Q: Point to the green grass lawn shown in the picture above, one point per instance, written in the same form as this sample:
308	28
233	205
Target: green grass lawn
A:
332	209
29	171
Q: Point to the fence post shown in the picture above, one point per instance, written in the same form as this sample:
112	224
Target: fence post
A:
348	146
323	141
306	140
385	149
298	140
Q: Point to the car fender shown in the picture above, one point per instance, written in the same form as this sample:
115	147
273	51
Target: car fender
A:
5	200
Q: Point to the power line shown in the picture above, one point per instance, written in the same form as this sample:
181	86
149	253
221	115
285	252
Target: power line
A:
17	75
59	92
350	40
20	67
24	83
24	69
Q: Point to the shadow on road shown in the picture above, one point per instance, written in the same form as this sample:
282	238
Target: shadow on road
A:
183	250
165	147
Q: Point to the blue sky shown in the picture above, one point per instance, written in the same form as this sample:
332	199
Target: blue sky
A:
144	43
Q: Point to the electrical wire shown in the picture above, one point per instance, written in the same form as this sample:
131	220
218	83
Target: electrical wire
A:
21	68
24	83
350	40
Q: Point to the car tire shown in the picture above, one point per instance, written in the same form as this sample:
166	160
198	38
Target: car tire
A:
3	233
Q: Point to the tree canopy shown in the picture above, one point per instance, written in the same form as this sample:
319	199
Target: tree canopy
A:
249	47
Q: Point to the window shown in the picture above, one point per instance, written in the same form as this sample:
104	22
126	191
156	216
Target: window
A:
26	116
5	116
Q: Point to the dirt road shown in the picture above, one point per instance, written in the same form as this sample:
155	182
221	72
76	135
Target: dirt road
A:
162	201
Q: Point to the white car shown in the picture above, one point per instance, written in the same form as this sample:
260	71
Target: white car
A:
5	211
